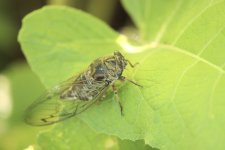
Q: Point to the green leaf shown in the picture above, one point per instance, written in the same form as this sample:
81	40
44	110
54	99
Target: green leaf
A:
50	43
181	68
168	21
78	135
187	64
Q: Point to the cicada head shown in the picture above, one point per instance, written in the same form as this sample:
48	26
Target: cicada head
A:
108	68
120	59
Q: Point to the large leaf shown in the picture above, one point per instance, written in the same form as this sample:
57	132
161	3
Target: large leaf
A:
181	68
51	43
78	135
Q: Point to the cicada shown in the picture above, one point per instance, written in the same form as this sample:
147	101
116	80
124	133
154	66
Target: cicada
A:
77	94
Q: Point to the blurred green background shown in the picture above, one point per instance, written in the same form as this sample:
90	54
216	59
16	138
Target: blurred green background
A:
19	86
12	12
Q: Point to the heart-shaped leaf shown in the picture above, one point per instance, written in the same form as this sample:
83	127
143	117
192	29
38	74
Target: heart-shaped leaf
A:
181	68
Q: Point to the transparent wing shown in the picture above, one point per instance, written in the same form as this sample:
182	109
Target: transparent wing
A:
50	108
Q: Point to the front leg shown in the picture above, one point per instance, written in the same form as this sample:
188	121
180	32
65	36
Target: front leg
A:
117	98
122	78
132	65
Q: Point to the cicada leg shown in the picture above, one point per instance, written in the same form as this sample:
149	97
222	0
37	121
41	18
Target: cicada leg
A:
122	78
132	65
117	98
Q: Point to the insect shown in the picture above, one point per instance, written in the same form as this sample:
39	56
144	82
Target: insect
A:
76	94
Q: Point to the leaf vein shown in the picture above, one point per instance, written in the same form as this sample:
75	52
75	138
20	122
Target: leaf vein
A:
211	40
193	19
212	94
166	23
182	51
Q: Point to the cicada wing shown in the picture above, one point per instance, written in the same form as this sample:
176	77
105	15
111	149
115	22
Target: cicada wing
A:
50	108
